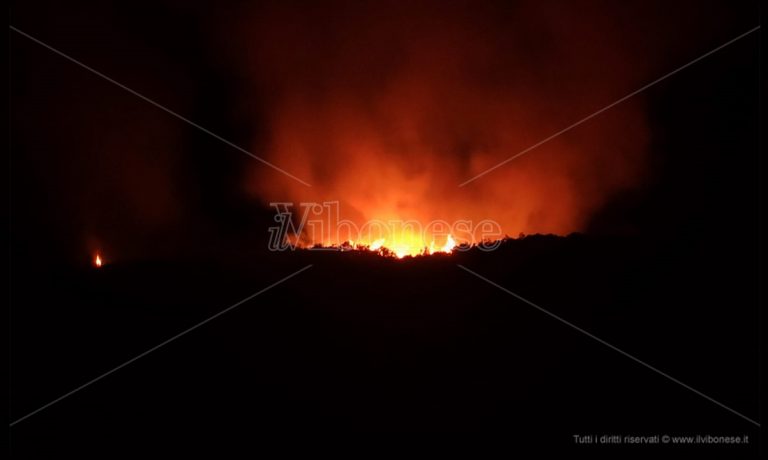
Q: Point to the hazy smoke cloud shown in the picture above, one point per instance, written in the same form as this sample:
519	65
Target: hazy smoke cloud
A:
389	106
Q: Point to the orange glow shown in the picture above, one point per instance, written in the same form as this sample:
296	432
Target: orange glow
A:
412	245
401	246
392	124
97	262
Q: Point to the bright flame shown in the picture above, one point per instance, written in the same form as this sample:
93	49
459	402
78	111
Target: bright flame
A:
97	260
450	243
405	245
447	248
376	245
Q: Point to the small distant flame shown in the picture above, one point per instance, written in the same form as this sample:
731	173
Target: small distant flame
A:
97	262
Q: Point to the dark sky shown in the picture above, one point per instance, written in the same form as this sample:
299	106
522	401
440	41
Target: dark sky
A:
94	167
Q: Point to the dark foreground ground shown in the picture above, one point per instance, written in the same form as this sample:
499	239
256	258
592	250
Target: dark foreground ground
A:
359	346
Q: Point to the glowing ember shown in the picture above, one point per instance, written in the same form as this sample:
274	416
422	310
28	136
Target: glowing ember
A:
97	262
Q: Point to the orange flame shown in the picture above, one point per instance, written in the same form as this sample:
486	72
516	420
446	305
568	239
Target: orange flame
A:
97	262
405	245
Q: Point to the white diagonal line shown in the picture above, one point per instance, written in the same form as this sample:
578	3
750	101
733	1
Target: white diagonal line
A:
159	106
166	342
609	106
618	350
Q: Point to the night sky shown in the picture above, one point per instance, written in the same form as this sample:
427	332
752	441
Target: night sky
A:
314	87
